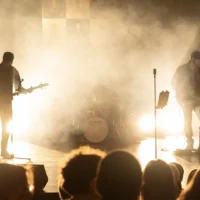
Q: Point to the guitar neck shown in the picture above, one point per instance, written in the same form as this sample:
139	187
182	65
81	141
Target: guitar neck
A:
29	90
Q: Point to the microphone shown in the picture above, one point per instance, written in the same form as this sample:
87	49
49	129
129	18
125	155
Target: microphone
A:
154	72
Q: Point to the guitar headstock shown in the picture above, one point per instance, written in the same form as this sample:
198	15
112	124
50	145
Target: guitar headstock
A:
42	85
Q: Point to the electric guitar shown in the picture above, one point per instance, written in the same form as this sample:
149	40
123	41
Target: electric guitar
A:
31	89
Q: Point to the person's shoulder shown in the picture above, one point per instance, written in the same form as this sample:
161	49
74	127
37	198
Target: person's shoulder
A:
183	67
13	68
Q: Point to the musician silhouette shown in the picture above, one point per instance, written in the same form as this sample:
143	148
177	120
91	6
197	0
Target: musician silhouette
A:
9	79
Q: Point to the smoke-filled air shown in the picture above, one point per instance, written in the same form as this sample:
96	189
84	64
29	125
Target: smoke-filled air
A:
91	45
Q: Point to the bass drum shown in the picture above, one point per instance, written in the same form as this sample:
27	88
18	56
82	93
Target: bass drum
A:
95	129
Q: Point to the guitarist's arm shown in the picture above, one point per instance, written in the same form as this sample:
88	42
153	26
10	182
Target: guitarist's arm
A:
17	80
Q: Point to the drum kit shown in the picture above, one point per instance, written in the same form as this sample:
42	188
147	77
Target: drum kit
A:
101	119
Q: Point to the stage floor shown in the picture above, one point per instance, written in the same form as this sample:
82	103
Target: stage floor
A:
145	151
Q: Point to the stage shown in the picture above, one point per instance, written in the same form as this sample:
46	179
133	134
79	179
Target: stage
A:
144	150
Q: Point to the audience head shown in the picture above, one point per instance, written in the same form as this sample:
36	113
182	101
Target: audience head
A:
192	191
180	169
79	170
119	176
176	176
158	182
191	174
14	183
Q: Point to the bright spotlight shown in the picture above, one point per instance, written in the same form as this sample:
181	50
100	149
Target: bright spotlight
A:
10	126
171	122
147	123
31	188
166	121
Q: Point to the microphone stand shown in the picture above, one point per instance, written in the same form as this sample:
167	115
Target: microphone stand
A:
155	113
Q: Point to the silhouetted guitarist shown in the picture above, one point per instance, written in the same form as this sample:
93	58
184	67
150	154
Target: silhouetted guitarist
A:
9	78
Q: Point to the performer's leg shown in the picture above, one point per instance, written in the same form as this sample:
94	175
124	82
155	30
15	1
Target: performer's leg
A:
187	112
5	137
197	111
6	117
